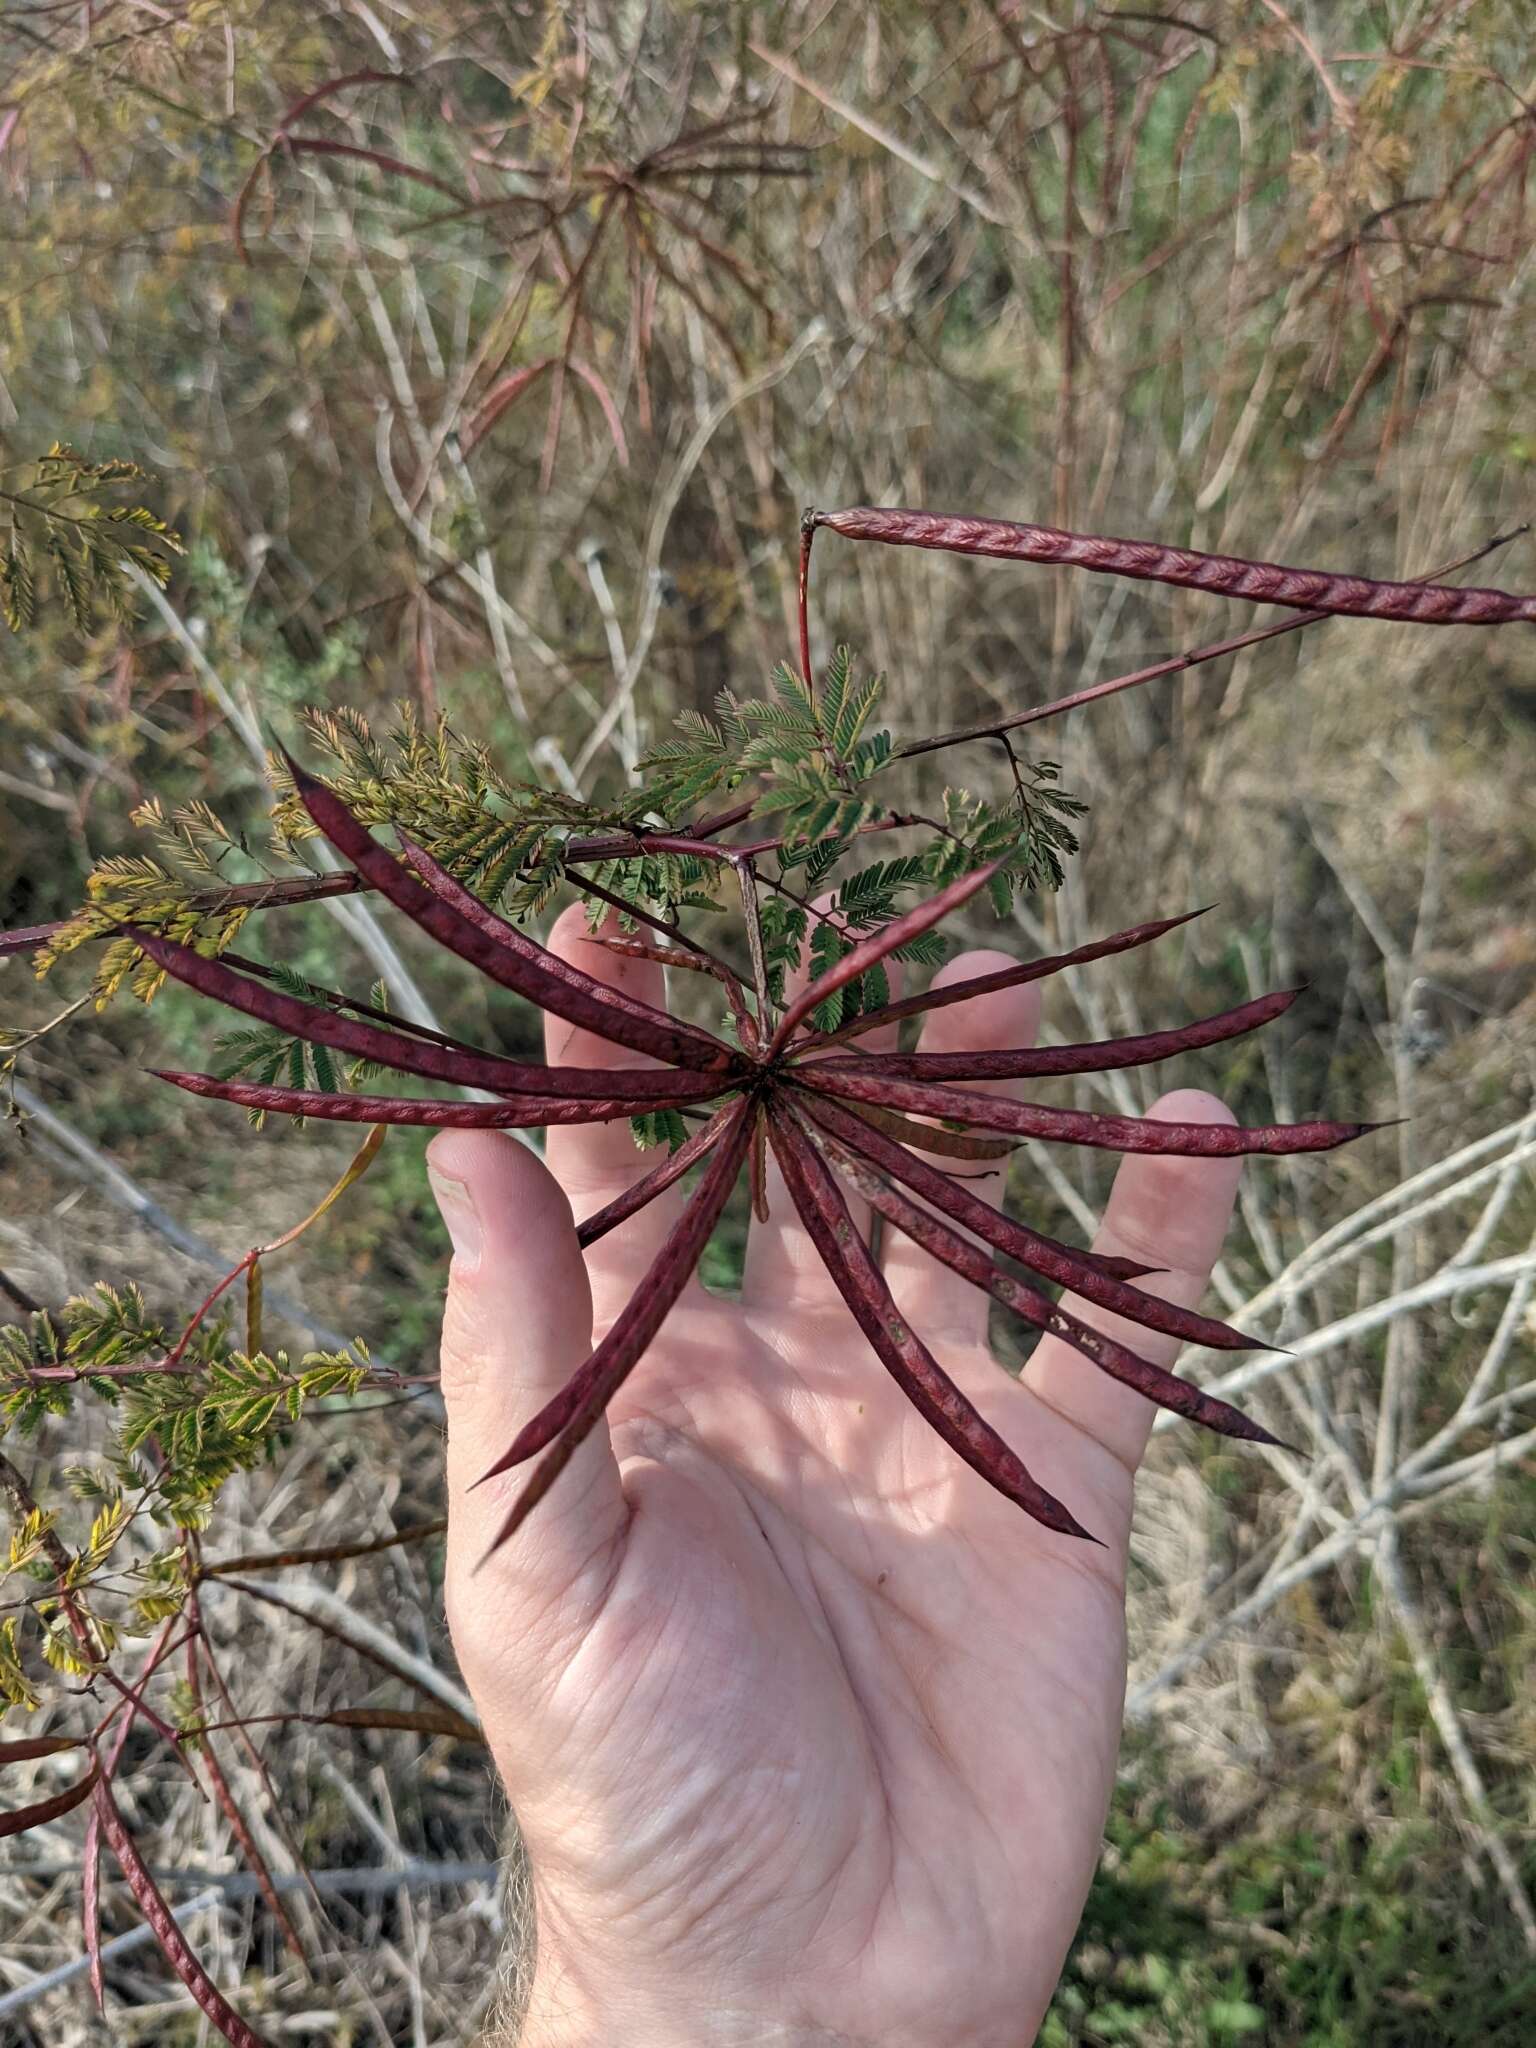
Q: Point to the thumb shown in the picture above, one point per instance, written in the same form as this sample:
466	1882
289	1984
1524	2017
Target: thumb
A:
516	1325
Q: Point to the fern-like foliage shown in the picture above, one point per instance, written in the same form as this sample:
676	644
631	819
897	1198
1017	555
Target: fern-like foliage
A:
658	1127
817	758
66	522
808	750
501	837
181	889
209	1409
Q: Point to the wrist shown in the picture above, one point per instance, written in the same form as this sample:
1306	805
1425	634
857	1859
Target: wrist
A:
683	2024
617	2027
565	2012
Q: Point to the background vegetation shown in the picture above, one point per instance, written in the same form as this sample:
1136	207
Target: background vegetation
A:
494	381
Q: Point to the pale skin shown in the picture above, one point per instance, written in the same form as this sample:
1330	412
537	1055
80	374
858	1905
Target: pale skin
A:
810	1734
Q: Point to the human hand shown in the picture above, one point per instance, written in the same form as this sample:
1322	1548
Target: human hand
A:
810	1734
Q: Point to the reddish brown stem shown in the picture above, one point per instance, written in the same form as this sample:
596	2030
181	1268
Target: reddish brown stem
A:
807	537
323	1553
696	955
239	1827
692	963
209	903
173	1358
275	1805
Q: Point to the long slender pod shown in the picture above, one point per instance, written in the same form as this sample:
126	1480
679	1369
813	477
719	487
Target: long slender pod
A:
1313	590
1099	1056
533	975
467	1069
971	1262
900	1350
563	1423
1006	977
524	1112
1081	1126
1042	1255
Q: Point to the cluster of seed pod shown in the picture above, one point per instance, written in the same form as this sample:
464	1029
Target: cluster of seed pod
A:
831	1116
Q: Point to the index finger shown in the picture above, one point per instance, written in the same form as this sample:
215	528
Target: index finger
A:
596	1162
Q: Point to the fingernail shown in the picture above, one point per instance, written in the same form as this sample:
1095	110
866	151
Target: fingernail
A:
457	1208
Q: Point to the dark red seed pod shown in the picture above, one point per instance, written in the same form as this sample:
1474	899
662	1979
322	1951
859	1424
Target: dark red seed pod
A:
318	1025
1083	1272
1079	1126
526	1112
1006	977
529	974
900	1350
643	1191
1100	1057
511	940
1315	590
871	952
563	1423
16	1820
972	1264
162	1922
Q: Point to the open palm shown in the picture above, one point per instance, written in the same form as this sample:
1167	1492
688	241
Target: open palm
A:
810	1733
